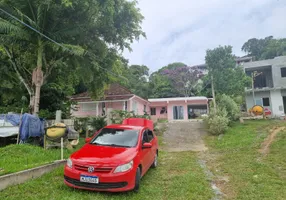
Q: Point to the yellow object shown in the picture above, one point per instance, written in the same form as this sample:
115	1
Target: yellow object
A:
257	110
57	130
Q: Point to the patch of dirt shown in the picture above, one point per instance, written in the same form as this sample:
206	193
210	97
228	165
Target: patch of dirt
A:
268	141
184	136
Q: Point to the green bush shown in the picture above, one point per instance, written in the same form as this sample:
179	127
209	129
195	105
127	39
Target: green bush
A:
117	116
91	123
46	114
97	123
231	107
14	109
217	123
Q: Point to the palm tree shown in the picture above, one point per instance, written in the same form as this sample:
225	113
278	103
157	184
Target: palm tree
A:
32	56
101	27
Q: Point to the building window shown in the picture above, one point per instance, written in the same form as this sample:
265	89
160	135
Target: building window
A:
283	72
144	108
266	101
153	111
163	110
88	107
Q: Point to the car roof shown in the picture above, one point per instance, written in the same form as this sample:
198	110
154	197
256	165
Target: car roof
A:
125	126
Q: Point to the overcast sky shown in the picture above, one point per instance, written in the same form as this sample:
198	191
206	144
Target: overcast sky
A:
182	30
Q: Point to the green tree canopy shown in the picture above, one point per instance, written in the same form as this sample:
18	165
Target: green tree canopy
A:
266	48
91	32
228	78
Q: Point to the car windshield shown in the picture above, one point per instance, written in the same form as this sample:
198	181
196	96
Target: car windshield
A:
116	137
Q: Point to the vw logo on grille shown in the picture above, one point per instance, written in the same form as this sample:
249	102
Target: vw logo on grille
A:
90	169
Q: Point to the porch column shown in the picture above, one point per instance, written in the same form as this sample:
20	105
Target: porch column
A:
186	111
97	109
129	108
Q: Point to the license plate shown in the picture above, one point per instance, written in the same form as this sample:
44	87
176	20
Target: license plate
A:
89	179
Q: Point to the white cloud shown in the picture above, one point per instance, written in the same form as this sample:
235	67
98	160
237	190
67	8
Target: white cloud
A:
182	30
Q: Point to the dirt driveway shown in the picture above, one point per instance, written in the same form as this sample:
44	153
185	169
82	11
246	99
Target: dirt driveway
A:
184	136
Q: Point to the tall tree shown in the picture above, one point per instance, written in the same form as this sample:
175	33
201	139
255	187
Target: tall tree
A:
266	48
184	79
137	76
91	32
225	77
160	86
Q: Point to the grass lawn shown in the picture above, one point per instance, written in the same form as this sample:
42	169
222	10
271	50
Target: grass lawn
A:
178	176
15	158
251	175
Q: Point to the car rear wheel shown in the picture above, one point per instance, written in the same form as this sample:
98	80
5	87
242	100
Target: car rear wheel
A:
137	179
155	162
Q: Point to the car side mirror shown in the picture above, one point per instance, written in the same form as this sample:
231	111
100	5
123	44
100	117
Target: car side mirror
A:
87	140
147	145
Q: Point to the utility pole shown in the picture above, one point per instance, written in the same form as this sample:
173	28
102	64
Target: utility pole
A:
213	93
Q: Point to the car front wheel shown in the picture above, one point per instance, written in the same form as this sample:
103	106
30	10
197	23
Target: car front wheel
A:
137	179
155	162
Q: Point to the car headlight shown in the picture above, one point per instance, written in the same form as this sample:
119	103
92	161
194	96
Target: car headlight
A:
69	163
124	168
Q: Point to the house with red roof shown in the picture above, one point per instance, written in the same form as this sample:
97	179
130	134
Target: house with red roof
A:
118	97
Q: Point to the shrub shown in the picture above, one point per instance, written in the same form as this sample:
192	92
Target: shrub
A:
46	114
231	107
14	109
91	123
217	122
97	123
117	116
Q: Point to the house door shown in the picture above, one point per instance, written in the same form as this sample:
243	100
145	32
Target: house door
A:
178	112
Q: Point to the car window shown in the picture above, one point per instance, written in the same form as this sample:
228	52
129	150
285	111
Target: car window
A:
116	137
150	136
145	137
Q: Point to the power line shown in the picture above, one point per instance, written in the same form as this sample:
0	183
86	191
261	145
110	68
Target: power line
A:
50	39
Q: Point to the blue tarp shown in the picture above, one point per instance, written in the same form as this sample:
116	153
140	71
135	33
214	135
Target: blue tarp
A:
14	119
31	126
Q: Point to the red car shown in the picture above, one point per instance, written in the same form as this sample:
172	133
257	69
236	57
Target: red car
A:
115	158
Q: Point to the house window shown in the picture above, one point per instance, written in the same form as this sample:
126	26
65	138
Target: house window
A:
283	72
163	110
88	106
144	108
153	111
266	101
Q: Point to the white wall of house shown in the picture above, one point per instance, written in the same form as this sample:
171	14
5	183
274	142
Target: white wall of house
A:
258	96
275	99
277	103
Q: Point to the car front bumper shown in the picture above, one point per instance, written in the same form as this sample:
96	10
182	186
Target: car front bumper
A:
109	182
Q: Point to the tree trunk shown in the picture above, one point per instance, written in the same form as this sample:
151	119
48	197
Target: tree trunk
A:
38	78
32	102
37	99
213	93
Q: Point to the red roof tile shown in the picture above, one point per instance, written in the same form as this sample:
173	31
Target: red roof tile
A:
115	92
